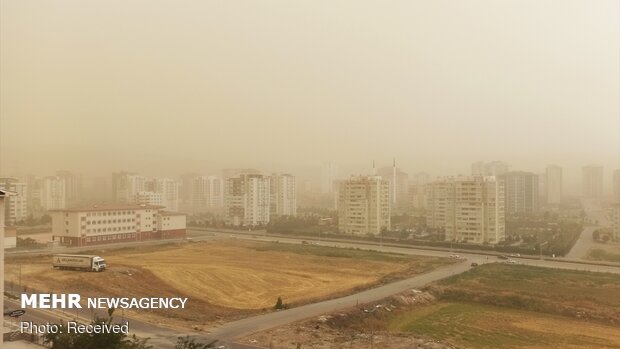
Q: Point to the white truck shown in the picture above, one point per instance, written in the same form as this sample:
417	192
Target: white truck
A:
78	262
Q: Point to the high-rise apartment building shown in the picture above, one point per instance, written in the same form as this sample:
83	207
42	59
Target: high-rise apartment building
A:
73	186
521	192
553	184
16	205
126	185
207	193
364	205
283	191
592	181
399	184
247	200
418	197
468	209
169	190
329	174
52	193
420	178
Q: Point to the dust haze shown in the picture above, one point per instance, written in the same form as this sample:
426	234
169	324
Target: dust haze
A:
165	88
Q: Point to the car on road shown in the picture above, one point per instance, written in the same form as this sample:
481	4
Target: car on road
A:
304	242
502	257
455	256
474	264
511	261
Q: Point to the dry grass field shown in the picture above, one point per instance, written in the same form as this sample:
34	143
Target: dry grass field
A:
225	279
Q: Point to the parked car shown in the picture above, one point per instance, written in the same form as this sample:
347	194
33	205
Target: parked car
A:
474	264
502	257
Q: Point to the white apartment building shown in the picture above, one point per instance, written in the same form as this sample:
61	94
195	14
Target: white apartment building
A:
101	224
553	184
16	205
169	190
207	193
52	193
468	209
247	200
364	205
592	181
283	199
149	198
126	185
438	195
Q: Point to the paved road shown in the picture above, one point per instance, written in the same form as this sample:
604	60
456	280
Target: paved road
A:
594	213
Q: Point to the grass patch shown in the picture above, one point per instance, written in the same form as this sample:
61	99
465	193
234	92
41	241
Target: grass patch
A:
484	326
602	255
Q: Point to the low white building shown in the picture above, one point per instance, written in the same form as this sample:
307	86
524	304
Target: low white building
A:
100	224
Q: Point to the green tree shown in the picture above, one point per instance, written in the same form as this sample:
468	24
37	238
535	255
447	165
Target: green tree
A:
279	304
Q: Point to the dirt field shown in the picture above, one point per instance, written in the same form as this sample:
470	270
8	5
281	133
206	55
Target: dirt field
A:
226	279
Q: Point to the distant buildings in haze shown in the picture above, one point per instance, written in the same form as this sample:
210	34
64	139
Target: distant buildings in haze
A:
493	168
553	184
592	181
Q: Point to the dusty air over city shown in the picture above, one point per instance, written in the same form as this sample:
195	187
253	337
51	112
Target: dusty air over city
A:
313	174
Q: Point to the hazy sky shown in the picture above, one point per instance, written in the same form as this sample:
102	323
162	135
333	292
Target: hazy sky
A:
176	86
